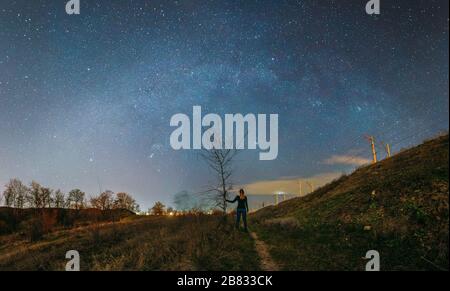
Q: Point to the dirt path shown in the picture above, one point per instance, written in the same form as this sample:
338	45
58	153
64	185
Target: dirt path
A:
267	263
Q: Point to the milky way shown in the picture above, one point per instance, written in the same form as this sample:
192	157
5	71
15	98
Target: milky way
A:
86	100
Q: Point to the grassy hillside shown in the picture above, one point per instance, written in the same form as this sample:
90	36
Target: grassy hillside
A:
398	207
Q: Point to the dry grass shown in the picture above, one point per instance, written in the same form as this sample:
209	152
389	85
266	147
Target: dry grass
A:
283	222
148	243
404	201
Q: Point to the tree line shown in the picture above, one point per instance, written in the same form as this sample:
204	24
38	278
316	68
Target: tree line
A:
19	195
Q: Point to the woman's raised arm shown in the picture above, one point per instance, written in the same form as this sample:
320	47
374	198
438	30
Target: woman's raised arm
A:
232	201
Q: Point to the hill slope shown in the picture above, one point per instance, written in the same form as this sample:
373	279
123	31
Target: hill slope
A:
398	207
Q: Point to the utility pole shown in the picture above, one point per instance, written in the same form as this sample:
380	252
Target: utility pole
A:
388	150
300	188
374	151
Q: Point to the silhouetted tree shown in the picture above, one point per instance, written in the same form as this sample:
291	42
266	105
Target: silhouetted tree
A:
37	196
15	194
47	199
220	161
59	199
125	201
158	209
104	201
170	210
76	199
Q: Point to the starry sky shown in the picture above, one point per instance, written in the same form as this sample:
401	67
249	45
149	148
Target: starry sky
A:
86	100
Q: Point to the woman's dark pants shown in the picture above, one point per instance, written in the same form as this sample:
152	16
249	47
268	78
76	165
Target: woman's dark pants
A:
243	213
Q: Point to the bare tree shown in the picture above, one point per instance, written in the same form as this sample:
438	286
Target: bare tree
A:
37	196
158	209
15	194
220	161
125	201
59	200
76	199
104	201
47	199
10	194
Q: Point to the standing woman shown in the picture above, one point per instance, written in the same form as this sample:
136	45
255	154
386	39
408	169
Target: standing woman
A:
242	208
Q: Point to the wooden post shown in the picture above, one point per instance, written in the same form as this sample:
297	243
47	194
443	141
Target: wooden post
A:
374	151
388	150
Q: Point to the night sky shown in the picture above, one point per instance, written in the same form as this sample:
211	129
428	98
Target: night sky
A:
86	100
